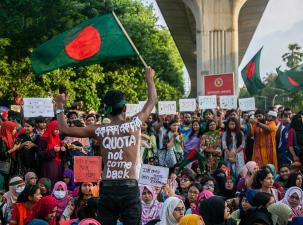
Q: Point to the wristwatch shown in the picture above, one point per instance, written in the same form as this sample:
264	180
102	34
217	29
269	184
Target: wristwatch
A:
58	111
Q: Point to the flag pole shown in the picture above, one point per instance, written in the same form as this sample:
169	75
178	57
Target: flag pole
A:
129	39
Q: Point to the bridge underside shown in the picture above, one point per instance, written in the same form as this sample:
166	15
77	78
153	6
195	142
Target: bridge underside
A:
182	26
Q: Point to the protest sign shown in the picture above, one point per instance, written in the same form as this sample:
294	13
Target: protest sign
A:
187	105
35	107
247	104
142	103
208	102
87	168
153	175
132	109
167	107
228	102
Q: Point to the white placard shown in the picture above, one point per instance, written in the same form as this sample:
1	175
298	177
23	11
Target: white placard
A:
247	104
35	107
208	102
153	175
142	103
132	109
228	102
167	107
187	105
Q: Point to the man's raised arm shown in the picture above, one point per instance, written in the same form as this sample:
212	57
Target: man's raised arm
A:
62	125
152	94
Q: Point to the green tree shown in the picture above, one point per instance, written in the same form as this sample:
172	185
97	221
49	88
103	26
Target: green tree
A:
27	24
294	57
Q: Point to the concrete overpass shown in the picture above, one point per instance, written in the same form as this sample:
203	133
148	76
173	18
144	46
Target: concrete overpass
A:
211	35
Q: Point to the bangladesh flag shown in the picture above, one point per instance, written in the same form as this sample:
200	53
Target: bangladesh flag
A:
290	80
251	75
97	40
192	156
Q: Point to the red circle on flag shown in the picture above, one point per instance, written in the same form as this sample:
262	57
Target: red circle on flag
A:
292	82
85	45
250	70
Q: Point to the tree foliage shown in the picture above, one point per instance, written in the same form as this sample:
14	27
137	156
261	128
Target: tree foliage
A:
24	25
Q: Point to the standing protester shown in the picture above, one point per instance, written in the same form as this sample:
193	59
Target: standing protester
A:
264	134
120	150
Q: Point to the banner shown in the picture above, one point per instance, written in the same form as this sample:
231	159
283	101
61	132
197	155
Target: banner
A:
167	107
35	107
153	175
87	168
142	103
187	105
247	104
132	109
219	84
228	102
208	102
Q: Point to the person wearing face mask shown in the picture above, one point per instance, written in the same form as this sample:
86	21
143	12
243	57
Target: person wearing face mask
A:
16	186
26	200
60	192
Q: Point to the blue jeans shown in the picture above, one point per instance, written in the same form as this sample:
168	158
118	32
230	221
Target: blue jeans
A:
119	200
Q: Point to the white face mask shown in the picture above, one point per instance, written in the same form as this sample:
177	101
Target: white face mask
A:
20	189
59	194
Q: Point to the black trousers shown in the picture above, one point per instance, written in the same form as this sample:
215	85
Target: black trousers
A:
119	200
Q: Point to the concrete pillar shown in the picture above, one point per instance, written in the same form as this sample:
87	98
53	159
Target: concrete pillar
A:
216	37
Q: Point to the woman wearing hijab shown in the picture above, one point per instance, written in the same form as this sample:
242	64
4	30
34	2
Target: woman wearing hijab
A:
49	152
172	211
16	186
26	200
60	193
68	178
30	178
150	206
247	175
214	211
45	185
191	220
294	199
280	213
45	210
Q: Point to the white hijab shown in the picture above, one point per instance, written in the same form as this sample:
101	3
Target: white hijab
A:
166	214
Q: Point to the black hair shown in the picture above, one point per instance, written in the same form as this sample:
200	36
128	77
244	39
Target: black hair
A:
40	119
196	185
89	210
237	130
261	199
112	98
292	180
90	115
208	123
259	111
260	176
192	130
207	178
283	165
286	109
31	122
77	123
70	113
208	110
29	190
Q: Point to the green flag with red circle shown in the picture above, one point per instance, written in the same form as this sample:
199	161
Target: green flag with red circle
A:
101	39
251	75
290	80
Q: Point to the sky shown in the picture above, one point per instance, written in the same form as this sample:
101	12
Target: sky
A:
281	24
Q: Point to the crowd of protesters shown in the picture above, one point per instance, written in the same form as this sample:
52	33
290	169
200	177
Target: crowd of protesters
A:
248	170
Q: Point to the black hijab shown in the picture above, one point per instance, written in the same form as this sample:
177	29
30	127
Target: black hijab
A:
212	210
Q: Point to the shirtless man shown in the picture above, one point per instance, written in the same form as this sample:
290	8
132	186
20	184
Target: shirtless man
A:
120	150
